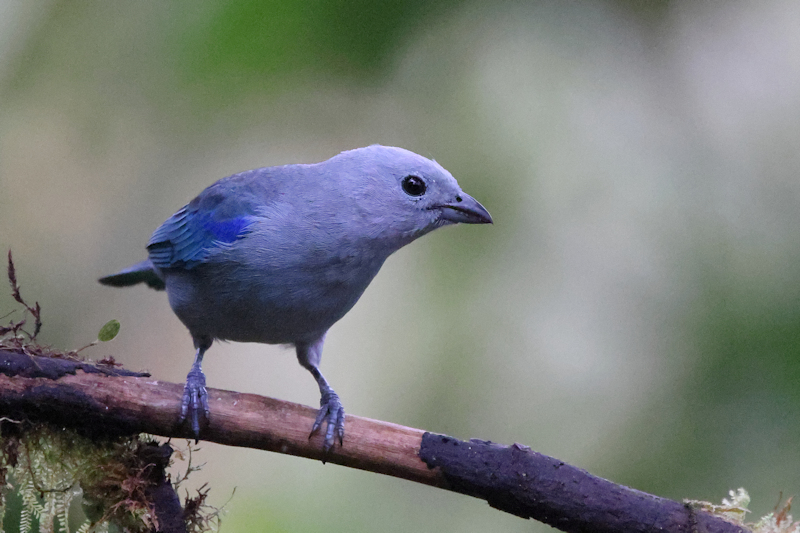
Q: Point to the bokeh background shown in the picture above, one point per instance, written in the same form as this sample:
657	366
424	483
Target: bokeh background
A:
634	310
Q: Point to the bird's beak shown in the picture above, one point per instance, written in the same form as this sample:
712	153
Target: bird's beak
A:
466	210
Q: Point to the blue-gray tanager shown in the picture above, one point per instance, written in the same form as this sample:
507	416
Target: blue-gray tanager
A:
277	255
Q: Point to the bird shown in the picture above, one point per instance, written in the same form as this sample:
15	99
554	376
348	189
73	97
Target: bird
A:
277	255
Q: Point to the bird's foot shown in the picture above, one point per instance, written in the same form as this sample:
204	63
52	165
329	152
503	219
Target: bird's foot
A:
332	413
195	400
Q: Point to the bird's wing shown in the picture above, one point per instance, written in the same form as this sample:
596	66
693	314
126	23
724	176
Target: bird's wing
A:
219	216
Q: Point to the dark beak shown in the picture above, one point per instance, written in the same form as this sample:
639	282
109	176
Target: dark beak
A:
466	210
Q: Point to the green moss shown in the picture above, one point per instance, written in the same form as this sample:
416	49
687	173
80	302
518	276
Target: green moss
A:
49	467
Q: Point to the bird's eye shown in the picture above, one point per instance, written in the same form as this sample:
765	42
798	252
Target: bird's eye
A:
414	186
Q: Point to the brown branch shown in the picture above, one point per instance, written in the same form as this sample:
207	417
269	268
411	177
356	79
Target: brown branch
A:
166	504
511	478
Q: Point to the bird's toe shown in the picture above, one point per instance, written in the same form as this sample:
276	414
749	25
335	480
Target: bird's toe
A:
194	403
331	413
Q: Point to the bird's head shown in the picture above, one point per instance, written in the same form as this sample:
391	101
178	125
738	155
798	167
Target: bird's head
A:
398	192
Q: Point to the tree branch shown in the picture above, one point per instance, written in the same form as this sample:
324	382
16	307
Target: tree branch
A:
511	478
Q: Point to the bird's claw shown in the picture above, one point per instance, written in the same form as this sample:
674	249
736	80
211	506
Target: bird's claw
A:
195	400
331	411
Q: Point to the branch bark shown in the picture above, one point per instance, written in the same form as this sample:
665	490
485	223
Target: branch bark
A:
513	478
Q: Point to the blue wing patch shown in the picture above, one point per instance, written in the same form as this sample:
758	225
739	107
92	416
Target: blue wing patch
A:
188	237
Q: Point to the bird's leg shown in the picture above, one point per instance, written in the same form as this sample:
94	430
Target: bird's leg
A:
331	410
195	396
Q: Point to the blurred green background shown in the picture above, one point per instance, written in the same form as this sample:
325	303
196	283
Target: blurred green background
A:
634	310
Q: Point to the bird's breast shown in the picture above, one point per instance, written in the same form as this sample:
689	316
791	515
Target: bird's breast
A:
272	296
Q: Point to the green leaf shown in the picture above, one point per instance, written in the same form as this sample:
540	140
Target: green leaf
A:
108	331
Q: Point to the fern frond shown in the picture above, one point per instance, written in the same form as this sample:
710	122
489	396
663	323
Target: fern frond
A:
25	520
48	514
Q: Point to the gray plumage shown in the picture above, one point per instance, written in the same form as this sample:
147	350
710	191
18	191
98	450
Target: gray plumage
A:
277	255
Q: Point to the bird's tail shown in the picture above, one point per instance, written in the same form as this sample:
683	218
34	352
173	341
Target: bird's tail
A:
142	272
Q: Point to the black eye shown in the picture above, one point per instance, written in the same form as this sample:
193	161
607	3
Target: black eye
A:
414	186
